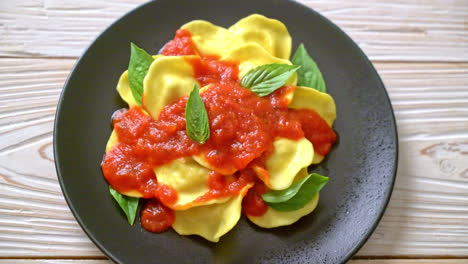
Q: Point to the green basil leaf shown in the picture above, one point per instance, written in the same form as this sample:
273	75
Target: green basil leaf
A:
138	66
128	204
286	194
197	125
309	74
308	188
265	79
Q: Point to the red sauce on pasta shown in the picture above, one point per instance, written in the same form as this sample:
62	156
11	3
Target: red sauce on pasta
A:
156	217
243	127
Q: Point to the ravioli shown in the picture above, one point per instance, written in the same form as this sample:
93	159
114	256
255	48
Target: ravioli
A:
322	103
201	159
188	178
269	33
210	221
210	39
273	218
253	55
168	79
288	158
113	140
123	87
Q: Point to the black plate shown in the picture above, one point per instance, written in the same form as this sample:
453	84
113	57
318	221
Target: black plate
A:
361	166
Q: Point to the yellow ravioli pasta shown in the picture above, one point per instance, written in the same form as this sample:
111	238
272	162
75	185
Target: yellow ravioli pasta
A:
113	140
168	79
210	221
123	87
288	158
188	178
210	39
273	218
269	33
201	159
252	55
322	103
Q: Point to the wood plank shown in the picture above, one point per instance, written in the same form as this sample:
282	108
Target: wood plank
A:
416	30
423	95
429	208
426	216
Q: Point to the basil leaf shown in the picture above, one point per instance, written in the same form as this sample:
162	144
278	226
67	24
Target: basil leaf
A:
312	184
309	74
265	79
286	194
138	66
128	204
197	125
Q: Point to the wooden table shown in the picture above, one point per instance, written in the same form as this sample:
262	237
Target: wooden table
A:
419	47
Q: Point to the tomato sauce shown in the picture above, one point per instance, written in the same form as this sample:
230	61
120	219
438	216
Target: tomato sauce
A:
243	127
126	172
316	130
181	45
224	186
211	70
156	217
253	203
166	194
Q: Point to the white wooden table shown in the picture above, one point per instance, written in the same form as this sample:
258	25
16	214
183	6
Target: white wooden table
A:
419	47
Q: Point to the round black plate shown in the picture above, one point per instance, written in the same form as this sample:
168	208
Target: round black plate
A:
361	166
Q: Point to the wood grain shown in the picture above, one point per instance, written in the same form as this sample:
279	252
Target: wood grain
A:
35	219
417	30
427	214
